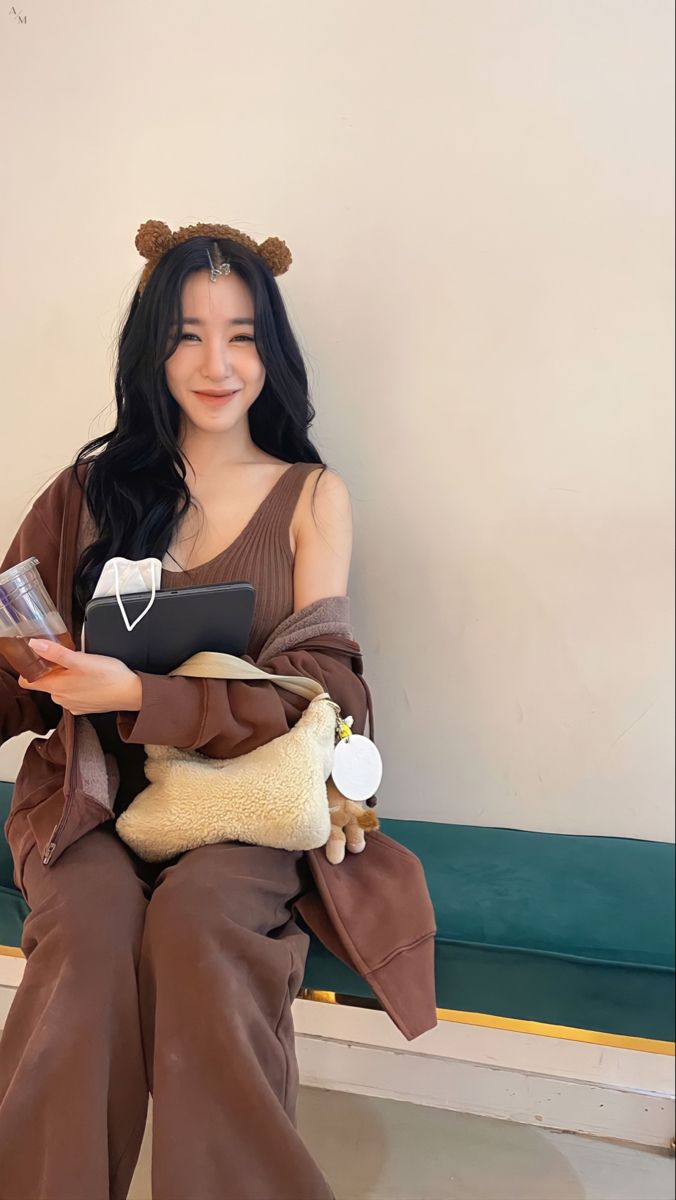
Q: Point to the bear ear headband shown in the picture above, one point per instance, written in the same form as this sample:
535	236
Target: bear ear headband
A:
154	238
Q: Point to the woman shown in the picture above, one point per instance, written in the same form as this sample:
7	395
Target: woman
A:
177	977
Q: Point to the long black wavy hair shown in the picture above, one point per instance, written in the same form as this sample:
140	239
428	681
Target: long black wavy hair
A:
135	487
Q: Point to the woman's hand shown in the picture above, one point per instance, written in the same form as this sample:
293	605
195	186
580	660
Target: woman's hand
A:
85	683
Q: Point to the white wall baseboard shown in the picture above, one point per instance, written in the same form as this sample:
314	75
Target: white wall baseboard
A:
571	1106
11	970
576	1087
534	1053
553	1083
6	997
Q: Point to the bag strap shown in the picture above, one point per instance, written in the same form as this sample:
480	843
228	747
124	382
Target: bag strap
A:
208	664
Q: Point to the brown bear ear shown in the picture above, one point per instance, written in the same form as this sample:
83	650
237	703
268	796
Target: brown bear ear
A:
153	238
276	254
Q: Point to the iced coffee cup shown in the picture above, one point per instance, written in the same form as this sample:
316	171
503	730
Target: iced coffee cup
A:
27	611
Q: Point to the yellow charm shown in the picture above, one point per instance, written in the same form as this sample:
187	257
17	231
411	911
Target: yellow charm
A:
344	729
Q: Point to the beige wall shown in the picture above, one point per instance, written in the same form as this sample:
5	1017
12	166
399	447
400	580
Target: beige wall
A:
478	198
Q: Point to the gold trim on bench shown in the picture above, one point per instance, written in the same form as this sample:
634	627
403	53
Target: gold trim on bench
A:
11	951
513	1025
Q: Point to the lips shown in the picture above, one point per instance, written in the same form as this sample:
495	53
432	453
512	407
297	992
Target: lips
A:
214	397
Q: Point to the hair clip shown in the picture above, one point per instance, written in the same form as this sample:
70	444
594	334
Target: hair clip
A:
223	267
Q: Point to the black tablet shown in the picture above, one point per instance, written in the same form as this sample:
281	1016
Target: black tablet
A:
180	623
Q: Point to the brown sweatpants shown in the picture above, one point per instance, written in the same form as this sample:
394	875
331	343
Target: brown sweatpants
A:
175	978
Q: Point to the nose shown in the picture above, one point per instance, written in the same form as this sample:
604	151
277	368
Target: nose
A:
216	363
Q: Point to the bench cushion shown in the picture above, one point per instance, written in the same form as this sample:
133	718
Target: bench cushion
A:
554	928
560	929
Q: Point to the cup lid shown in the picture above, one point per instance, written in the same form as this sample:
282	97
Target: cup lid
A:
18	570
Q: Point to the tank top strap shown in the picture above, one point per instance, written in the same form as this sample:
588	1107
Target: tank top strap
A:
285	497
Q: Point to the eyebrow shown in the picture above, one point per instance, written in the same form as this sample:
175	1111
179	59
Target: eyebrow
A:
235	321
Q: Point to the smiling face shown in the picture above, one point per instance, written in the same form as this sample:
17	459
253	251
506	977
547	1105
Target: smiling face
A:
217	353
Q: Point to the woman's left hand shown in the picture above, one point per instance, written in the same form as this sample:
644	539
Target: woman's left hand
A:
85	683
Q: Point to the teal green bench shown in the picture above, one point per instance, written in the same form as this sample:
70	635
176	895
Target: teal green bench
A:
550	928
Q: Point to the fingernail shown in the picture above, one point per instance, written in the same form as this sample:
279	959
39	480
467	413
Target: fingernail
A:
38	643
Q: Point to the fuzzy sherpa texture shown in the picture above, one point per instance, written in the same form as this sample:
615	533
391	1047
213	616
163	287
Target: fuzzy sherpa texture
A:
273	796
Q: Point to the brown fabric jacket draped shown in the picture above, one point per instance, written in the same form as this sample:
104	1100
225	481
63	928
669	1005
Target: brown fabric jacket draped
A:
373	911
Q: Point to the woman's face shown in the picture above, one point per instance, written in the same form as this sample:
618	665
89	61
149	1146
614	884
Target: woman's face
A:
217	353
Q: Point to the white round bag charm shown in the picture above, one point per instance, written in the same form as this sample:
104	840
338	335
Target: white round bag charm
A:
357	765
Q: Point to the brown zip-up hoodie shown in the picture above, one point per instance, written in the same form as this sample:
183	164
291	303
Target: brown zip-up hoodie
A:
373	911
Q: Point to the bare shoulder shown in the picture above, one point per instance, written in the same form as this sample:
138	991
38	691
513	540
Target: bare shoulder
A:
321	538
324	503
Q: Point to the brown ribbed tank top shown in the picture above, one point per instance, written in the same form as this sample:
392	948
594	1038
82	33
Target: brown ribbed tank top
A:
261	555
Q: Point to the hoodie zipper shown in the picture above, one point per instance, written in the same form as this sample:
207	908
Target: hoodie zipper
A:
50	848
67	555
68	800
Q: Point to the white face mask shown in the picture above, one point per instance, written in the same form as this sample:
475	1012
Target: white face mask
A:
121	576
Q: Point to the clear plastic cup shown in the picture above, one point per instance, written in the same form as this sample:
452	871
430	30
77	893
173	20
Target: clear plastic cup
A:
27	611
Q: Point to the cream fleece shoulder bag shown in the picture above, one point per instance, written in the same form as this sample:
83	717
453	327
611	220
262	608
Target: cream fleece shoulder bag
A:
276	795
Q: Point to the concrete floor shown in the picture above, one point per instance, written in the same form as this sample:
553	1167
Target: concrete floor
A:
386	1150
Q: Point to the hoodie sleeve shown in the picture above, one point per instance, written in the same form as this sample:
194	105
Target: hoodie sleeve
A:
225	718
37	537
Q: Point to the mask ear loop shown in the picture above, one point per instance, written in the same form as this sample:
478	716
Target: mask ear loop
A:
148	606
